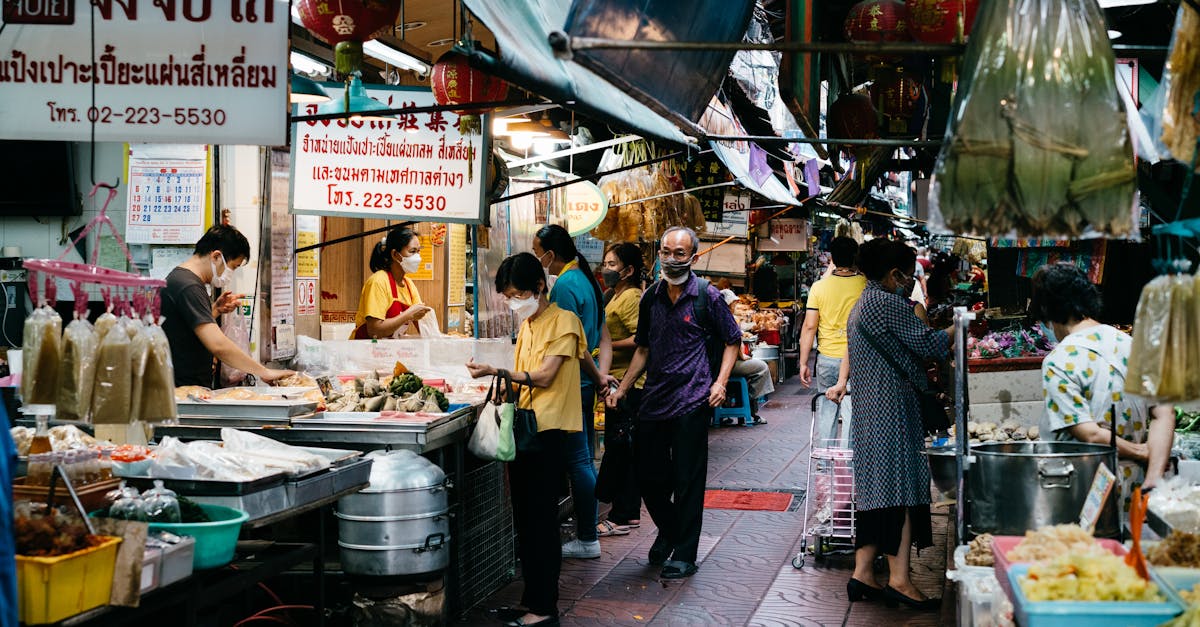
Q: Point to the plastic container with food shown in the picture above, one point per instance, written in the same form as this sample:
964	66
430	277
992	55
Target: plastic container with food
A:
215	540
1091	613
1002	545
81	581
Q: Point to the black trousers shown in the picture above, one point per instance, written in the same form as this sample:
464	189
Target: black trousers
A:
672	468
533	481
619	468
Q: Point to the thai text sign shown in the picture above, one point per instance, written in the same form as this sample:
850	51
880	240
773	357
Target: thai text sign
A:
787	235
416	166
177	71
586	207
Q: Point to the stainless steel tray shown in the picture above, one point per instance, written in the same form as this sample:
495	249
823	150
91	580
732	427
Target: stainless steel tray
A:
355	473
305	490
210	487
257	504
336	456
246	409
234	421
371	421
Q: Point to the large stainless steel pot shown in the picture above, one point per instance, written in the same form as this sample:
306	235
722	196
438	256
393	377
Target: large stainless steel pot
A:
943	467
1017	486
391	530
425	558
398	525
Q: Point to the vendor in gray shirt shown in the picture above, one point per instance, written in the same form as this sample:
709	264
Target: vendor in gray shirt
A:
190	315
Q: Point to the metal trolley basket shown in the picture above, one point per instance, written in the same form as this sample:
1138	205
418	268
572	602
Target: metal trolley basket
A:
829	495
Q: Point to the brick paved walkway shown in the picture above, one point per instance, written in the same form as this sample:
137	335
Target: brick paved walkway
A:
746	576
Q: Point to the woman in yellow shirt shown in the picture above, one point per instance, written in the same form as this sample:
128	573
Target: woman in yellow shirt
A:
549	343
623	271
390	303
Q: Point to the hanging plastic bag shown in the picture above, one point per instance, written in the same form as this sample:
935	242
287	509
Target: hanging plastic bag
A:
1038	142
158	379
110	394
1147	358
139	349
1181	82
41	357
78	370
104	323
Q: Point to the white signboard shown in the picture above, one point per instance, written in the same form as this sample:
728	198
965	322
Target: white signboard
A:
166	194
735	211
787	235
414	167
182	71
306	297
586	207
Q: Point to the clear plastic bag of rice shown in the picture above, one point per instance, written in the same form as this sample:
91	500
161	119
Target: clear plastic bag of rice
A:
77	373
41	356
110	396
158	378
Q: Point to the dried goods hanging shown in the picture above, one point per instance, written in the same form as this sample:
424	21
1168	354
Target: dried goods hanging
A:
41	357
78	371
1181	79
645	201
1038	141
158	378
110	394
1164	334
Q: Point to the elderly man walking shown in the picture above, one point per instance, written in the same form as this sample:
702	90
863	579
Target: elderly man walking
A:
687	342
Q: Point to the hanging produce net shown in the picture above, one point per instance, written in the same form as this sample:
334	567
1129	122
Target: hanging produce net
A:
1038	141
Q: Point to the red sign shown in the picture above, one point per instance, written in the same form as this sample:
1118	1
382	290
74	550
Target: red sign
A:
39	11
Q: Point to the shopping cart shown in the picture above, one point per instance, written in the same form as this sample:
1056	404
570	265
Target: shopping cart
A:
829	495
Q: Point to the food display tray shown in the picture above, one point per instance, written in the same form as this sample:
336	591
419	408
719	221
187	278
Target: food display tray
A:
371	420
235	421
246	409
349	475
305	490
256	504
1090	613
1001	545
209	487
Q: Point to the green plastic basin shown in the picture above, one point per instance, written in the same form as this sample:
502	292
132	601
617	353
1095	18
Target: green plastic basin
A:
216	540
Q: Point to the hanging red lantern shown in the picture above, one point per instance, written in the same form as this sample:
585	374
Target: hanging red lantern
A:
455	82
852	116
878	21
901	102
941	21
346	24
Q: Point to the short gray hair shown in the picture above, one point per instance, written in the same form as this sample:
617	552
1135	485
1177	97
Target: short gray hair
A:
691	234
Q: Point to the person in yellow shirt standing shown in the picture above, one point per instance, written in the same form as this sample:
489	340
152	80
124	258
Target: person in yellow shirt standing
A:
623	271
390	304
829	303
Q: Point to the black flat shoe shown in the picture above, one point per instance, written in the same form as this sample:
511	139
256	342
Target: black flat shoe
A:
506	614
857	591
893	598
549	621
659	552
678	570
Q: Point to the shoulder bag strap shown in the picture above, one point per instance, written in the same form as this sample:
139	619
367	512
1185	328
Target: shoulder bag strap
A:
891	361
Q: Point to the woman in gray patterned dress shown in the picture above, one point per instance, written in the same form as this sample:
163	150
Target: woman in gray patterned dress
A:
891	477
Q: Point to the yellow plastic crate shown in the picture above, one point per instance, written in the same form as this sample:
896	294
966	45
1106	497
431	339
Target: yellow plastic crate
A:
81	580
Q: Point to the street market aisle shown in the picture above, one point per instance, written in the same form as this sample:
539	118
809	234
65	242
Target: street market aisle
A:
746	576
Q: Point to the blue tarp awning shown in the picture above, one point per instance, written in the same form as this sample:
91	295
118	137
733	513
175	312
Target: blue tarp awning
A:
525	59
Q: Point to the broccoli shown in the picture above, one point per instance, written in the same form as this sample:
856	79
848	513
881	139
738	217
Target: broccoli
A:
405	384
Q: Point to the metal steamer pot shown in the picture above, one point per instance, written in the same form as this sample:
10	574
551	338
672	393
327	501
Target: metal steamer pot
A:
1013	487
400	524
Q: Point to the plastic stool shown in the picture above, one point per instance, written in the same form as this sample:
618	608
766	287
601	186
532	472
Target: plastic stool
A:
740	408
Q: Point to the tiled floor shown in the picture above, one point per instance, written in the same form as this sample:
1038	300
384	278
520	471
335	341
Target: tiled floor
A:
746	575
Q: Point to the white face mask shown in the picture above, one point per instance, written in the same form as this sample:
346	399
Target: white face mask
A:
550	278
523	307
221	281
411	263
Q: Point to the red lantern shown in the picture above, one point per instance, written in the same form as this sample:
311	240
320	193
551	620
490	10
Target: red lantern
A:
346	24
872	21
899	99
941	21
852	116
878	21
454	82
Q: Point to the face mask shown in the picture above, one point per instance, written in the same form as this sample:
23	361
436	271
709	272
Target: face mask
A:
222	280
550	278
677	272
611	277
1049	332
411	263
523	307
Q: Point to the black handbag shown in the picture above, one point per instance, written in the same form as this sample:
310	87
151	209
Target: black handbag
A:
934	417
525	430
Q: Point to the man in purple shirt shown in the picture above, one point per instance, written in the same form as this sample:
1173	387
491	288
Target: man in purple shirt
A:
680	339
